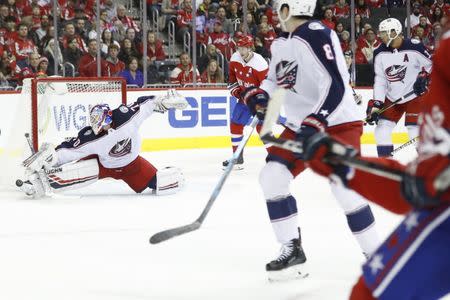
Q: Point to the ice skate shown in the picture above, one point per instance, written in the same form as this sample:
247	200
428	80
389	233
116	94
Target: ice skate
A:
290	264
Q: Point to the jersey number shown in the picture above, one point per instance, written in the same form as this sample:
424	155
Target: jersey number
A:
328	51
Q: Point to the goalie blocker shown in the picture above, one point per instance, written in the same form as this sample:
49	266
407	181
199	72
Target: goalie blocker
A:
107	148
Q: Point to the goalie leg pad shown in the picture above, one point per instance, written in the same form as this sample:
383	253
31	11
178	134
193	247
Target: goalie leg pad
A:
169	181
74	175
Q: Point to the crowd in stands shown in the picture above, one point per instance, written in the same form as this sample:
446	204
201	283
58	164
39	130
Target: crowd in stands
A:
27	35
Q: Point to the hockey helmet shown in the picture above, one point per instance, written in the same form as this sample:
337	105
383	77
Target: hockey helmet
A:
99	117
296	8
389	25
245	41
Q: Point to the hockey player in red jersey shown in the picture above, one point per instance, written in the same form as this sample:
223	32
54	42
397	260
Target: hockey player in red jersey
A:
247	69
413	263
109	147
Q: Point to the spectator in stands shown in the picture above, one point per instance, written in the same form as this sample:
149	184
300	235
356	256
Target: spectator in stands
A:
266	35
213	73
23	46
368	44
437	32
359	28
169	10
420	35
4	12
115	65
362	9
260	49
221	16
108	40
67	11
27	68
425	25
324	4
220	39
339	29
251	25
328	19
81	29
375	3
110	7
10	35
253	8
443	5
37	34
125	20
155	49
7	69
233	13
184	21
88	62
414	18
436	15
341	9
210	53
184	71
132	74
127	50
69	33
345	41
72	53
49	52
130	34
42	67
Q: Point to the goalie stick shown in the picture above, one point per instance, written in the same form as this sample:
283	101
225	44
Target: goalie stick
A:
410	142
171	233
272	113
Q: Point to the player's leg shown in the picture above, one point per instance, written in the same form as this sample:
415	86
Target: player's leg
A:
275	179
141	174
411	117
384	128
239	118
413	262
356	209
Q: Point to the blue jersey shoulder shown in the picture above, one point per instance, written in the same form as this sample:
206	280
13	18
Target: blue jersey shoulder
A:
416	45
315	33
84	136
381	48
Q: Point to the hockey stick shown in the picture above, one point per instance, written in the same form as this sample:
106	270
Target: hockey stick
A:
272	113
392	104
410	142
171	233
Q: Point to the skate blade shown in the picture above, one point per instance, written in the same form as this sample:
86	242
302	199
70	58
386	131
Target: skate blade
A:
292	273
235	167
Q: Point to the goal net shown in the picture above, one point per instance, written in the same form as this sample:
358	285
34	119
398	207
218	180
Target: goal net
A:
51	110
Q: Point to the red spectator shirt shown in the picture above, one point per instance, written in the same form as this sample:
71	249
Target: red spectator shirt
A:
158	52
179	76
329	24
363	12
183	18
204	78
268	38
221	41
88	66
127	22
114	68
22	48
375	3
341	12
81	44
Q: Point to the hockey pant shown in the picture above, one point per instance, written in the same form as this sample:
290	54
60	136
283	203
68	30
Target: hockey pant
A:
388	121
139	175
281	169
413	262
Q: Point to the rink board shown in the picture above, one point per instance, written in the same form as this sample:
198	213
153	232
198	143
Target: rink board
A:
204	125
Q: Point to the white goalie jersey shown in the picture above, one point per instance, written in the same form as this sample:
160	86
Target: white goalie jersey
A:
310	65
116	148
396	70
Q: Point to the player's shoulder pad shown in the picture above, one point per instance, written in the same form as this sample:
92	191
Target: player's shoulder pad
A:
416	45
84	136
315	34
124	113
380	49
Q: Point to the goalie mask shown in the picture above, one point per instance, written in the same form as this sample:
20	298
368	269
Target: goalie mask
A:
99	117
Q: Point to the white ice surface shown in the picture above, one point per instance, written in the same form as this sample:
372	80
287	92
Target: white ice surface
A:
93	243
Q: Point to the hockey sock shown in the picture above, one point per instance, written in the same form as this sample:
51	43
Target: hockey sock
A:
283	215
385	150
362	224
236	135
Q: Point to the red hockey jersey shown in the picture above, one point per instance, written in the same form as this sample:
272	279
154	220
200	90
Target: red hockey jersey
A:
247	74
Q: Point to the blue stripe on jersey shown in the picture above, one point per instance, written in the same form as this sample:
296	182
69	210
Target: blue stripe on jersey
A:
85	135
318	37
407	44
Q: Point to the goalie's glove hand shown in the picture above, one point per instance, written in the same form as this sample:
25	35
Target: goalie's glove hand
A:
322	154
256	99
171	100
44	158
373	111
236	90
426	181
311	125
420	87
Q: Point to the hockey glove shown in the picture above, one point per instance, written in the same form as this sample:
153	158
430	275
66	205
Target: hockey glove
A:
235	90
420	87
373	111
256	99
322	154
426	183
311	125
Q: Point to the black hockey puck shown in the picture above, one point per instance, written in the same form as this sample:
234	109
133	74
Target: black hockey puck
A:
19	182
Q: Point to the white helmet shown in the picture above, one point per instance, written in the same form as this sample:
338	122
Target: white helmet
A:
296	8
388	25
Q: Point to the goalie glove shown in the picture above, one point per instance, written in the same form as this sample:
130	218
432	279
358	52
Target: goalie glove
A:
171	100
44	158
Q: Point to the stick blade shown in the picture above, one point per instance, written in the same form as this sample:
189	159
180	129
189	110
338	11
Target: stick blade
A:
171	233
273	111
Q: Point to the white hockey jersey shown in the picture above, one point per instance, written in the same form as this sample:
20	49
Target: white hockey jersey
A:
396	69
310	65
117	147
